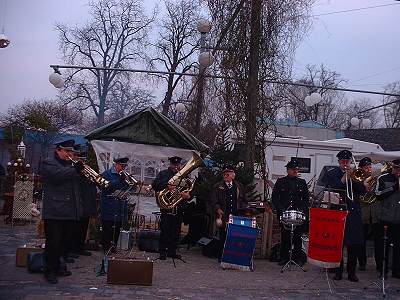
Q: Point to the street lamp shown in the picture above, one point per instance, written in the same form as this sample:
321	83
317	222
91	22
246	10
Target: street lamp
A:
180	108
56	79
4	41
21	149
360	122
313	99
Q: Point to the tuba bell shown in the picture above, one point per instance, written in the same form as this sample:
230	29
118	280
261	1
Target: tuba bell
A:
169	199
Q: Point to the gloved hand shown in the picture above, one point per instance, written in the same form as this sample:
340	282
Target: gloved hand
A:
79	166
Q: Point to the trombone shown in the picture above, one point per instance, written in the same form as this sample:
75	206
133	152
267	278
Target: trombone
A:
349	185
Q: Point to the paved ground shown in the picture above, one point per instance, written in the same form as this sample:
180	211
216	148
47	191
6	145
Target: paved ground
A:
199	278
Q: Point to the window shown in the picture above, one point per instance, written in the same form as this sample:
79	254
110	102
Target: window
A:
149	171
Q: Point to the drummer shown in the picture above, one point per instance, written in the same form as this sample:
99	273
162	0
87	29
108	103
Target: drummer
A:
291	193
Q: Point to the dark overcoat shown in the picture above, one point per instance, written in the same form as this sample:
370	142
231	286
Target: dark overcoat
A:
61	190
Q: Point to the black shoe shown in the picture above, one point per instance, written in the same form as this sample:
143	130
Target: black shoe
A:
299	262
73	255
362	268
51	278
353	278
163	256
337	276
174	255
64	273
69	260
85	253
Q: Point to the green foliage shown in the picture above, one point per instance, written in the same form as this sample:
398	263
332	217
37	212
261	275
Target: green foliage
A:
13	133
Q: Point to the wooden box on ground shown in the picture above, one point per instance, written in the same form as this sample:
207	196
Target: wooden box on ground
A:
130	271
22	255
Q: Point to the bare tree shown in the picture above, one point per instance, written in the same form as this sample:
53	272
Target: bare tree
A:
44	119
115	37
176	44
352	110
261	39
329	111
392	111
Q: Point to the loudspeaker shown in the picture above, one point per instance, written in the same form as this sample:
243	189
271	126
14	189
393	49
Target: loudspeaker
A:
35	262
22	255
211	248
149	240
130	271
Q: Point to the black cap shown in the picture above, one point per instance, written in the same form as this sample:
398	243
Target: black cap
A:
175	160
82	154
121	160
396	163
365	161
344	154
292	164
77	148
228	168
66	145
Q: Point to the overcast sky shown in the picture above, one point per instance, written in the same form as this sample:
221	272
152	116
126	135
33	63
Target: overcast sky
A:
363	46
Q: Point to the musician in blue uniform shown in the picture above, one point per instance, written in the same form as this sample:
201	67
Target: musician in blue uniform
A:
171	221
388	195
291	193
113	211
335	181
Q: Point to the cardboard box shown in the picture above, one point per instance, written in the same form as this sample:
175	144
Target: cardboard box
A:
130	271
22	255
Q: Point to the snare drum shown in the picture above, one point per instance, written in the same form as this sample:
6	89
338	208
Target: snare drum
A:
293	217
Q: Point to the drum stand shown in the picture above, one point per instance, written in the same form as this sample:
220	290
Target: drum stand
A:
291	261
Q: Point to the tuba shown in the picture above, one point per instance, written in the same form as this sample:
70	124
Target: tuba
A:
169	199
92	175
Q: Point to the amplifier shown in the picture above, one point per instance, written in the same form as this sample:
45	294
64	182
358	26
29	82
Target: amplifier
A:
130	271
22	255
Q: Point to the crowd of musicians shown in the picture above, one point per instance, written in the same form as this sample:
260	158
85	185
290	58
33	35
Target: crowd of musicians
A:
69	200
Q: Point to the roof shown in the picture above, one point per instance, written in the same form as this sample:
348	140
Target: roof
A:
387	138
148	127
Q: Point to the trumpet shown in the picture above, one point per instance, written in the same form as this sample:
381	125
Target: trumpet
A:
129	178
91	174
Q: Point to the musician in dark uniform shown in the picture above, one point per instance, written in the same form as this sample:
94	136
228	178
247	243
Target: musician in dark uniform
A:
228	196
171	220
89	209
291	193
335	181
367	212
388	195
61	206
113	211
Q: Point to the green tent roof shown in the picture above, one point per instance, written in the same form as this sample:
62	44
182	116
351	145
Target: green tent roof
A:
148	127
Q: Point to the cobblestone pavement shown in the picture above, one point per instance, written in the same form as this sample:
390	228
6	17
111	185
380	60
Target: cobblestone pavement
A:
199	278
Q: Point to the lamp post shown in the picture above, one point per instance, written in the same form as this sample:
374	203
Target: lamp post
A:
205	60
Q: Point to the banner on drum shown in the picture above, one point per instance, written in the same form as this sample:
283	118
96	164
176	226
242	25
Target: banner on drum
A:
325	248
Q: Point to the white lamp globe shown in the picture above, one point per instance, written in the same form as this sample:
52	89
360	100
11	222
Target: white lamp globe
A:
308	101
180	108
316	98
366	123
355	121
56	80
206	59
203	26
4	41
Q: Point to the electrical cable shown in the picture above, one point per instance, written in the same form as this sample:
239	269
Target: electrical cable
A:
354	9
